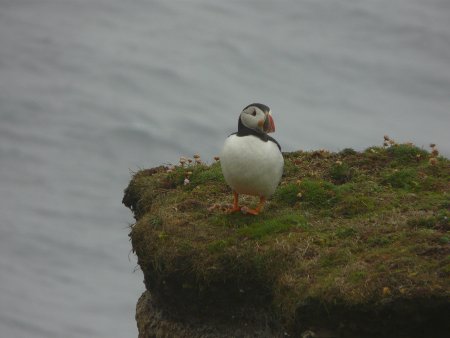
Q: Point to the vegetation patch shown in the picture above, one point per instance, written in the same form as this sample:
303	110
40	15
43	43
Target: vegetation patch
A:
351	205
272	226
346	232
318	193
406	154
288	194
439	221
348	239
340	172
402	179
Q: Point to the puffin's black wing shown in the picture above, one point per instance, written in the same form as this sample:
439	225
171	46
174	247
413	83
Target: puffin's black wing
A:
270	138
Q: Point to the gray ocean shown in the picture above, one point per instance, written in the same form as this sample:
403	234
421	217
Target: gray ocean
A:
92	90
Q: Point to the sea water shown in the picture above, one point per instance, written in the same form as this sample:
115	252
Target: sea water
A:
93	90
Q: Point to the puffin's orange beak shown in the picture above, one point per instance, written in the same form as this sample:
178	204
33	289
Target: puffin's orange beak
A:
269	125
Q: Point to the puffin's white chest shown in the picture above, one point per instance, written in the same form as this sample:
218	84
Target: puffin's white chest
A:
251	166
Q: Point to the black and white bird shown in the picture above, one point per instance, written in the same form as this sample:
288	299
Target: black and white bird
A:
251	160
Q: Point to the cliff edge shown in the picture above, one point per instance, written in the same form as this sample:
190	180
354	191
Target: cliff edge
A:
352	244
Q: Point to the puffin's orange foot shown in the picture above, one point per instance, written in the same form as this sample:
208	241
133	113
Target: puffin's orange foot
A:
257	210
233	210
235	207
246	210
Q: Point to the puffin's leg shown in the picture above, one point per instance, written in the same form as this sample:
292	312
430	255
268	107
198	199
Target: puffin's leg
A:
236	206
259	207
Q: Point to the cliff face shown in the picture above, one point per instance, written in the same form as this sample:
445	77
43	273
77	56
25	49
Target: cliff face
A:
351	244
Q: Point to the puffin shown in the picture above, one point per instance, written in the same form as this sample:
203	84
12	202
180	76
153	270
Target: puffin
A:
251	160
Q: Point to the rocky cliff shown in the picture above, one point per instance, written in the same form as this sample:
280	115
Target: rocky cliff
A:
352	244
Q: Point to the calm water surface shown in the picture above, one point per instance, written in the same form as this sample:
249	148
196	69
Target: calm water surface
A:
91	89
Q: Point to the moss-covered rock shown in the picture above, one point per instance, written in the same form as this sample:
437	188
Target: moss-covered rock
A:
352	244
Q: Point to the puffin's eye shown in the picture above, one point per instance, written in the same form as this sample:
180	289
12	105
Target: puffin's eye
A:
254	113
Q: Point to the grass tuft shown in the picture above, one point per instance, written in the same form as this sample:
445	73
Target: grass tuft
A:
318	193
272	226
402	179
347	152
406	153
340	173
351	205
288	194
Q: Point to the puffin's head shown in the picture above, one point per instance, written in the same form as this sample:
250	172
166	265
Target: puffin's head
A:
258	117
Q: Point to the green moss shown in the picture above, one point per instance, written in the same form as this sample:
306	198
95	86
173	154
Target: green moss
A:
445	239
218	246
345	232
287	194
231	221
406	154
155	221
290	168
318	193
176	177
351	205
347	152
440	220
402	179
340	173
379	240
424	222
356	277
375	152
284	223
202	174
334	259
